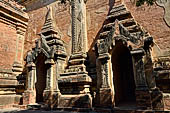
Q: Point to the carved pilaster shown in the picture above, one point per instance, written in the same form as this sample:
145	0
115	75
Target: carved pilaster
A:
29	96
139	69
74	38
103	59
104	73
31	77
59	70
143	94
79	29
103	83
51	93
50	74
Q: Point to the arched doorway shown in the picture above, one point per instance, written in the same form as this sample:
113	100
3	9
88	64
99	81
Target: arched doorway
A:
123	76
41	72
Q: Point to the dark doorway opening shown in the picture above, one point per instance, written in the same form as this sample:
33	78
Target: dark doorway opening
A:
41	71
123	76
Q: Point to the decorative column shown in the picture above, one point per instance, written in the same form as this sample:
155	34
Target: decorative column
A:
74	38
143	94
51	92
29	96
104	87
79	27
75	72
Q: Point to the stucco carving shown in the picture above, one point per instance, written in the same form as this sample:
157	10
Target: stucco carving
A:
166	5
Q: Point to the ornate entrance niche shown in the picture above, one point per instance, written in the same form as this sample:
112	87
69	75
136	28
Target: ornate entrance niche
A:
121	72
123	75
44	65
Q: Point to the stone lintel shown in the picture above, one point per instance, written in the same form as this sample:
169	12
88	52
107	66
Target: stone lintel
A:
84	78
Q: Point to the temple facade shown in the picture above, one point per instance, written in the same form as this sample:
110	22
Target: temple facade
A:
84	54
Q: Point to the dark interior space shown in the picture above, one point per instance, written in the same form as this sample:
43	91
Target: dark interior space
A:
41	71
123	76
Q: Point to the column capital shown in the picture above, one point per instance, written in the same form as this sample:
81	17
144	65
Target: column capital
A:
104	56
50	62
31	66
138	52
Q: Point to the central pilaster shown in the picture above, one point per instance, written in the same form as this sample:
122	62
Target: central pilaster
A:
75	74
79	31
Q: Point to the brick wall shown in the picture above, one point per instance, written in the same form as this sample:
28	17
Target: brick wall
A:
7	45
150	17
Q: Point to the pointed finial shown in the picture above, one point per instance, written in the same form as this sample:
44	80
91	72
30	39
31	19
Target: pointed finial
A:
49	13
117	30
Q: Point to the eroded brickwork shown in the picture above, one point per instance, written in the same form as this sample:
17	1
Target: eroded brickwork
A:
151	18
8	45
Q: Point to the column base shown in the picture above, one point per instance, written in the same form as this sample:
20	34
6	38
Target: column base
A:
104	98
29	97
76	101
51	99
157	99
143	99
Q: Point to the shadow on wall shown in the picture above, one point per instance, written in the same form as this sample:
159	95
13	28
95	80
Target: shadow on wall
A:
90	51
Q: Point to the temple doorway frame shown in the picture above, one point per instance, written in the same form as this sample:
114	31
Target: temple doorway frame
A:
41	73
123	75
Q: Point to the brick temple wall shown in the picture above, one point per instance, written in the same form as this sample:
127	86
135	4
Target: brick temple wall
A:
7	45
97	11
150	17
13	24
